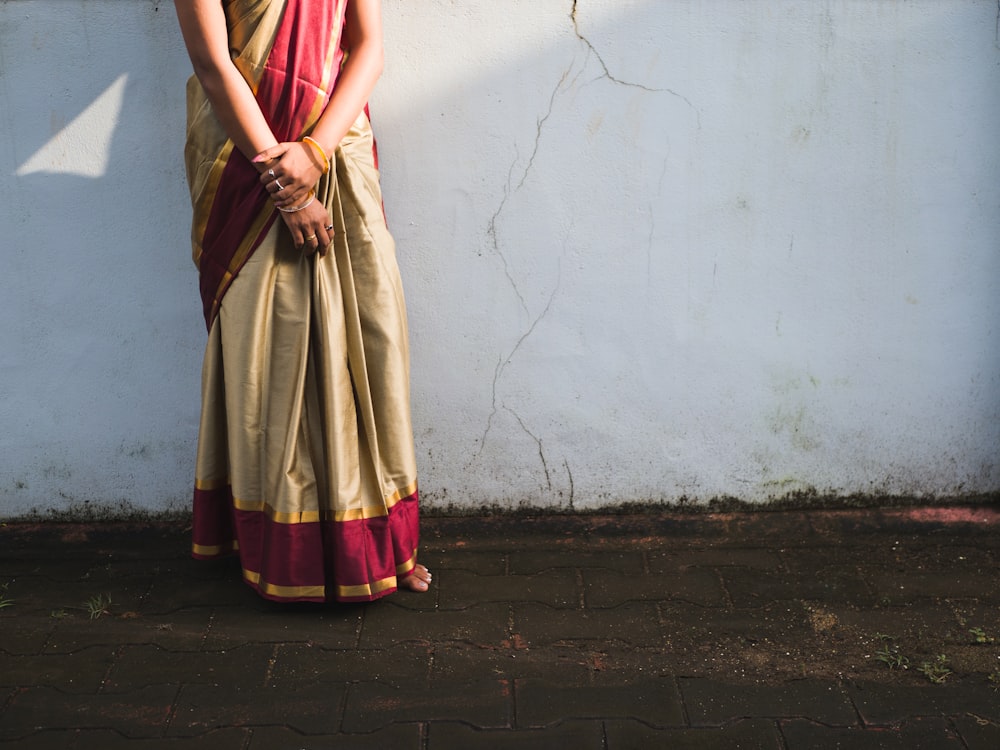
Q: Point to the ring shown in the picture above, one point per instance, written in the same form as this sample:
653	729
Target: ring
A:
270	173
328	227
310	238
280	186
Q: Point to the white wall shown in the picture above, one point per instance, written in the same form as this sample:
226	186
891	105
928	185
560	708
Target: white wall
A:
656	250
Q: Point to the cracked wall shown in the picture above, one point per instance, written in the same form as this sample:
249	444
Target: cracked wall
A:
652	251
687	249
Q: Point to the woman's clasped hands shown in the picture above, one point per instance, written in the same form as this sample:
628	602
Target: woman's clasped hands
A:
289	173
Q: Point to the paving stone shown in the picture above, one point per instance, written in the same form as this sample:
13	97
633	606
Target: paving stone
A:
713	703
654	701
978	733
841	554
478	674
691	624
882	705
131	573
968	520
139	666
222	739
974	614
14	569
142	713
905	585
485	704
197	583
634	623
179	631
394	737
39	595
415	601
918	734
308	708
24	634
512	659
327	626
488	563
528	561
750	588
750	734
608	588
398	665
95	540
79	672
921	553
578	735
903	624
460	589
48	739
669	563
386	624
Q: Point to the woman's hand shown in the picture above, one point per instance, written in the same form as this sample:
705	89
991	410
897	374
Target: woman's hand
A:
311	228
293	169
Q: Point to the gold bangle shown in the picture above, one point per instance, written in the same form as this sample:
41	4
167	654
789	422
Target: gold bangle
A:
319	149
293	209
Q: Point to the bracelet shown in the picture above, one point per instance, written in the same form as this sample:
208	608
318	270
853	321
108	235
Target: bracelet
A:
319	149
293	209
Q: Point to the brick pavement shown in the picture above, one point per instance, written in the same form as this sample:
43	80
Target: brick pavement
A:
655	630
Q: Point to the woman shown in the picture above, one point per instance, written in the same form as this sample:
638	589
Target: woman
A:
305	458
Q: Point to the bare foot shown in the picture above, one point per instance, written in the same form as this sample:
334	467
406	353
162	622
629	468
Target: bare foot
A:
419	580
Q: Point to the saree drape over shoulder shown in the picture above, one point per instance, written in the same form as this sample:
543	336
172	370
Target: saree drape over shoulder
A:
305	461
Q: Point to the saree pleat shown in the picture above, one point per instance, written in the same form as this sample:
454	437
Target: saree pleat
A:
305	461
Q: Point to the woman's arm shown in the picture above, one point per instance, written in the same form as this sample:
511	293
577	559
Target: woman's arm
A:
203	25
365	59
363	43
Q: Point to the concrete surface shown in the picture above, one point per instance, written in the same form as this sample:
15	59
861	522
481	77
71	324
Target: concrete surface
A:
766	630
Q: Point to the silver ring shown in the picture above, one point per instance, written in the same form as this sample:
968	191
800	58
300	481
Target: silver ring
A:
328	227
280	186
270	173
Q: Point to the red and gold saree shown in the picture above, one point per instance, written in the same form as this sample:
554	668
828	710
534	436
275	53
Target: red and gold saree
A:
305	461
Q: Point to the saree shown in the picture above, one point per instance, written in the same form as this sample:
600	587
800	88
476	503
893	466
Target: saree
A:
305	463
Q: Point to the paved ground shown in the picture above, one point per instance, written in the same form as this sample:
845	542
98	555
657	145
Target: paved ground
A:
766	630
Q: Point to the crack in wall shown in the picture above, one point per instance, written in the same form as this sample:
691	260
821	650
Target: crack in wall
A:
509	188
572	487
540	122
491	232
621	82
538	441
502	363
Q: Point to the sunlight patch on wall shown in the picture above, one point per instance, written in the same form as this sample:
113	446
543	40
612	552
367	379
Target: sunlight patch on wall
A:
82	147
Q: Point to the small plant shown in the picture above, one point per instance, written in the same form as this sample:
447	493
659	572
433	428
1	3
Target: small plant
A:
58	614
994	679
4	600
979	637
98	606
890	654
936	671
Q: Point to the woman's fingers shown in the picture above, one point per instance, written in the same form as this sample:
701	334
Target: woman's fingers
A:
311	243
311	229
271	153
327	235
